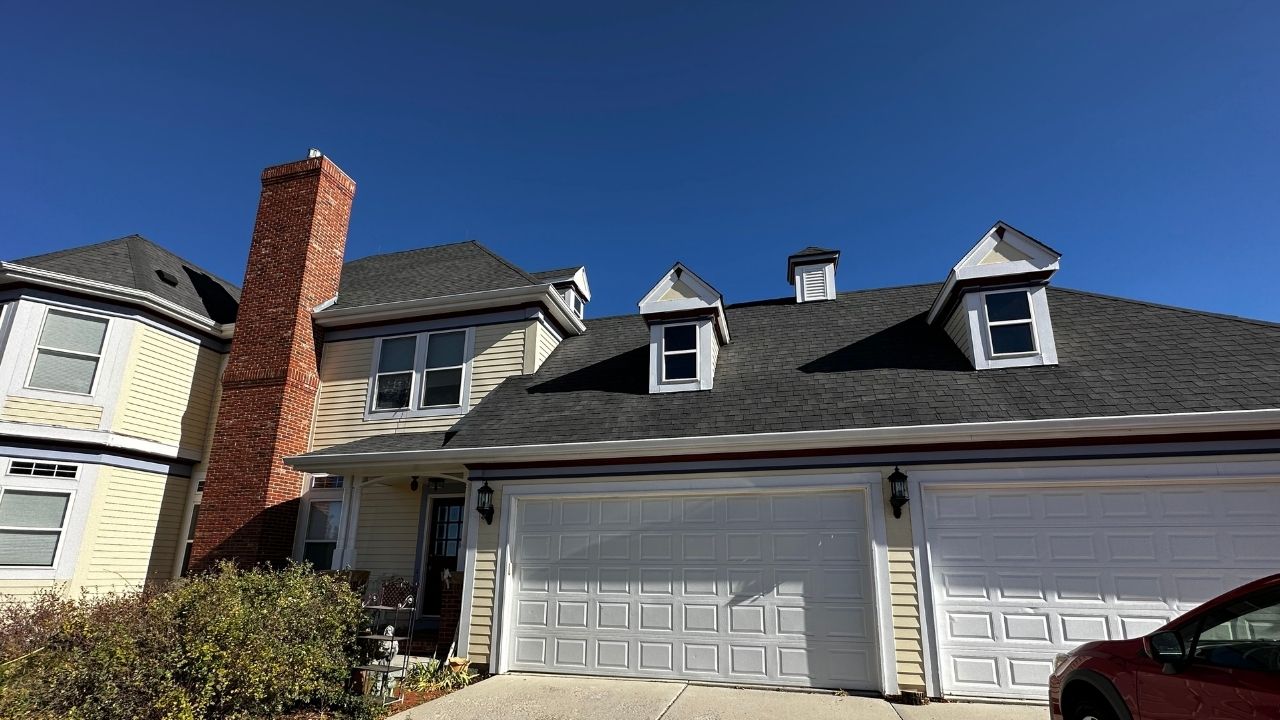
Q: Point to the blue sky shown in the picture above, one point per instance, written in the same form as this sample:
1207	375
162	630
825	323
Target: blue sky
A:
1139	139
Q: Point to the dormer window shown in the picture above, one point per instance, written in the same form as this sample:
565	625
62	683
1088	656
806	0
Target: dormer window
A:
1010	327
421	375
680	352
574	301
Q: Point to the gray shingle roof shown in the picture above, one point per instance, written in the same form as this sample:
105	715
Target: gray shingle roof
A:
868	359
427	273
389	442
549	275
132	262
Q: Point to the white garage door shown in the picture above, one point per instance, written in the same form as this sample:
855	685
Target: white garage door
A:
758	588
1019	575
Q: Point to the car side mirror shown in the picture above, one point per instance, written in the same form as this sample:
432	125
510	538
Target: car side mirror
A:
1166	647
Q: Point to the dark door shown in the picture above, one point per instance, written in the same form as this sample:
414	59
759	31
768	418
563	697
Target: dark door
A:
443	545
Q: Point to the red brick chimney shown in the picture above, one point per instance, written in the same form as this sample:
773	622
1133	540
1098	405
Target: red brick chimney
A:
269	387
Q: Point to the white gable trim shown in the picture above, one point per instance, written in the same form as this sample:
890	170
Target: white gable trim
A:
1042	259
708	298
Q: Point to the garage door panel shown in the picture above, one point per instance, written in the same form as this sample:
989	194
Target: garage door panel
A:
1020	574
721	587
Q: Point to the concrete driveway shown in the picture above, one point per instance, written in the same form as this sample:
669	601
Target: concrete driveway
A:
544	697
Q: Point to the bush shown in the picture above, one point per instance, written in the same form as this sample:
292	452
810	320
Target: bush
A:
435	675
228	645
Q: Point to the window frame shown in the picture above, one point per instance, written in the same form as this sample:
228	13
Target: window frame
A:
1030	321
417	384
337	536
62	529
663	352
98	358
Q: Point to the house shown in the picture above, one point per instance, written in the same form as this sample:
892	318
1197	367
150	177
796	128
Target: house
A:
926	489
109	362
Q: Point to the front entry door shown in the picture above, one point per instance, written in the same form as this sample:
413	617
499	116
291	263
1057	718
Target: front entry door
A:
443	546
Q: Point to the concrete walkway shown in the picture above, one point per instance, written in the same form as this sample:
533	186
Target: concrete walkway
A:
542	697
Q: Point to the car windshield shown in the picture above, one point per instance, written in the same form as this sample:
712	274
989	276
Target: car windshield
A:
1243	635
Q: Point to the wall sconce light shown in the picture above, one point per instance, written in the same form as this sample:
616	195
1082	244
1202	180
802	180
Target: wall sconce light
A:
413	483
484	502
897	491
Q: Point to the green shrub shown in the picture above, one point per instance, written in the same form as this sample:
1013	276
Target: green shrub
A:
228	645
435	675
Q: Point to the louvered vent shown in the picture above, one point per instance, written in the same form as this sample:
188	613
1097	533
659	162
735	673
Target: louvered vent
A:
813	272
815	284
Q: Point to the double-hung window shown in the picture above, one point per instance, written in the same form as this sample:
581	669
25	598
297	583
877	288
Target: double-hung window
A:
32	523
422	374
393	383
680	352
68	352
1009	324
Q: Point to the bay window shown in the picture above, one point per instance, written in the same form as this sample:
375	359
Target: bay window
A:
68	351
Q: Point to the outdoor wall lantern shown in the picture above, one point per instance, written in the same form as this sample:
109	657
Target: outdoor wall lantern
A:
413	483
484	502
897	491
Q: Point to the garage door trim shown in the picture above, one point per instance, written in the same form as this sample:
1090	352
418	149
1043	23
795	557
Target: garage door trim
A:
866	482
1107	476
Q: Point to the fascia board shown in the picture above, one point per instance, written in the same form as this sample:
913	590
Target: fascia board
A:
1008	430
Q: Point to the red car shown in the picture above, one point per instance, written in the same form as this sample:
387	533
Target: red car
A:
1219	661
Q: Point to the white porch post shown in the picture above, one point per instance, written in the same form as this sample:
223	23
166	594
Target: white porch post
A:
350	523
467	564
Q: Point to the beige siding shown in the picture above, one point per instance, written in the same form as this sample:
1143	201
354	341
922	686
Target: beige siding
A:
1003	252
168	391
904	605
132	533
11	590
386	529
547	342
958	328
484	576
344	385
48	412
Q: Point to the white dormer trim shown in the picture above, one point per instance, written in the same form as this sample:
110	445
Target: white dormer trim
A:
681	291
973	332
1003	251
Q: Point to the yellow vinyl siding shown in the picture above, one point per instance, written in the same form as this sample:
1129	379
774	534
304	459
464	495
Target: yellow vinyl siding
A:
386	529
546	343
49	412
16	590
904	606
344	385
484	576
169	389
131	536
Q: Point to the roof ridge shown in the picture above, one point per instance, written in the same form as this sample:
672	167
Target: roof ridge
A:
410	250
1178	308
532	280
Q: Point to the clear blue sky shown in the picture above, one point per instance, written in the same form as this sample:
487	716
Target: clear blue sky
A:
1140	139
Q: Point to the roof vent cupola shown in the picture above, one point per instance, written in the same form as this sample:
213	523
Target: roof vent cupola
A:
687	327
813	272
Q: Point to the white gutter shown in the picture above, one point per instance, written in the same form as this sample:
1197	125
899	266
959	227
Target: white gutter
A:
1002	431
153	302
462	302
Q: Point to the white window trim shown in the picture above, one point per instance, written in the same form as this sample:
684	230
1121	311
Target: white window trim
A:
62	529
312	495
696	352
416	386
984	357
1030	320
98	357
377	362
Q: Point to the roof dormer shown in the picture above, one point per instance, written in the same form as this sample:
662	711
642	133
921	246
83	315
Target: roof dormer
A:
813	272
687	327
994	304
571	284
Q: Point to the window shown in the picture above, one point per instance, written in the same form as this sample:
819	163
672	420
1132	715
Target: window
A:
67	352
31	526
393	383
1245	635
323	517
442	376
680	352
1009	323
423	374
326	482
574	301
31	468
191	539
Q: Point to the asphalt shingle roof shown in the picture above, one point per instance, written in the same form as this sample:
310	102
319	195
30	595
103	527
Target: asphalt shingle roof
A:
869	359
427	273
132	262
549	275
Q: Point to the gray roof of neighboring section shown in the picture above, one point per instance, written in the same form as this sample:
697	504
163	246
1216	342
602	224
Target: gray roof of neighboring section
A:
559	274
427	273
132	262
868	359
390	442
